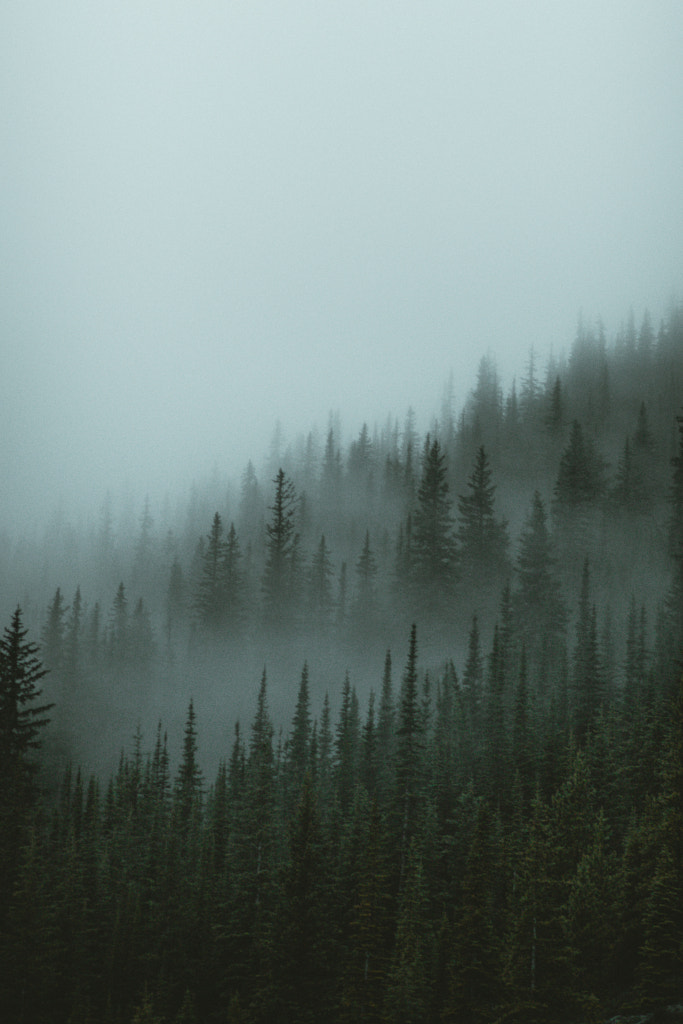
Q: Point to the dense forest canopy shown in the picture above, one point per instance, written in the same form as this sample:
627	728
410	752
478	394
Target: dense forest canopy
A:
390	731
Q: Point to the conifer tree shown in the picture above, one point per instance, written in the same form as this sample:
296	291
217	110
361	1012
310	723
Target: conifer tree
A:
298	749
188	783
541	612
580	480
433	547
409	754
587	673
53	636
320	600
22	719
281	572
364	608
482	538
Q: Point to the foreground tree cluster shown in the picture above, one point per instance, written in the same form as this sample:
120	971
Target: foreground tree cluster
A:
453	853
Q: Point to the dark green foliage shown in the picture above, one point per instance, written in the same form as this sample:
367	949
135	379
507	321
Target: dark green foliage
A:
432	563
500	842
280	574
581	476
482	537
539	605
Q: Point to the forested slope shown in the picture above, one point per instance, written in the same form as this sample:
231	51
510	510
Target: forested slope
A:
465	802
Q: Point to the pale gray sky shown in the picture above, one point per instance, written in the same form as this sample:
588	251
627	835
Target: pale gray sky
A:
216	215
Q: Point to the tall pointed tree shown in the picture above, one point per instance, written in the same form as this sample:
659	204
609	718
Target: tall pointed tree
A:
433	546
280	547
483	538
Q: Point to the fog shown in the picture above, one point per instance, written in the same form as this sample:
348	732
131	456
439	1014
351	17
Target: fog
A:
215	217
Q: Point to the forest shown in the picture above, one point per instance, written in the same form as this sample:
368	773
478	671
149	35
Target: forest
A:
391	730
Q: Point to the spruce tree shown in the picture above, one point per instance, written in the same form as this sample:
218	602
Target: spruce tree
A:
482	538
280	572
433	548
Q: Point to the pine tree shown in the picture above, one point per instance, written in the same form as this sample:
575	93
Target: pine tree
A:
580	479
209	602
298	751
587	674
118	627
320	600
483	539
409	754
433	548
22	719
52	639
304	932
540	608
364	608
189	780
279	578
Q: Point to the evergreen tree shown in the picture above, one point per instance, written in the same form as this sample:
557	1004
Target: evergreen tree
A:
279	577
304	932
209	600
433	547
409	754
188	783
540	608
22	719
320	600
52	639
364	608
587	675
483	539
581	476
299	743
118	627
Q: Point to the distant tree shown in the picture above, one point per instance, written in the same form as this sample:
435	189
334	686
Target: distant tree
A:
581	476
364	608
554	416
630	492
175	600
298	750
141	636
540	608
361	458
587	671
119	626
233	584
530	391
52	637
143	547
73	638
433	547
209	602
320	599
189	780
483	539
410	743
281	553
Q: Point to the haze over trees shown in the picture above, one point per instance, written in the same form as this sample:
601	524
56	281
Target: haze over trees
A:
455	790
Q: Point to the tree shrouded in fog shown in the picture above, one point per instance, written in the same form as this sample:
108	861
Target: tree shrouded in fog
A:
281	553
22	719
432	563
540	607
483	539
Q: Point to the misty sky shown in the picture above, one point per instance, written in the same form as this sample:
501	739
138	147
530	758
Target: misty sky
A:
217	215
